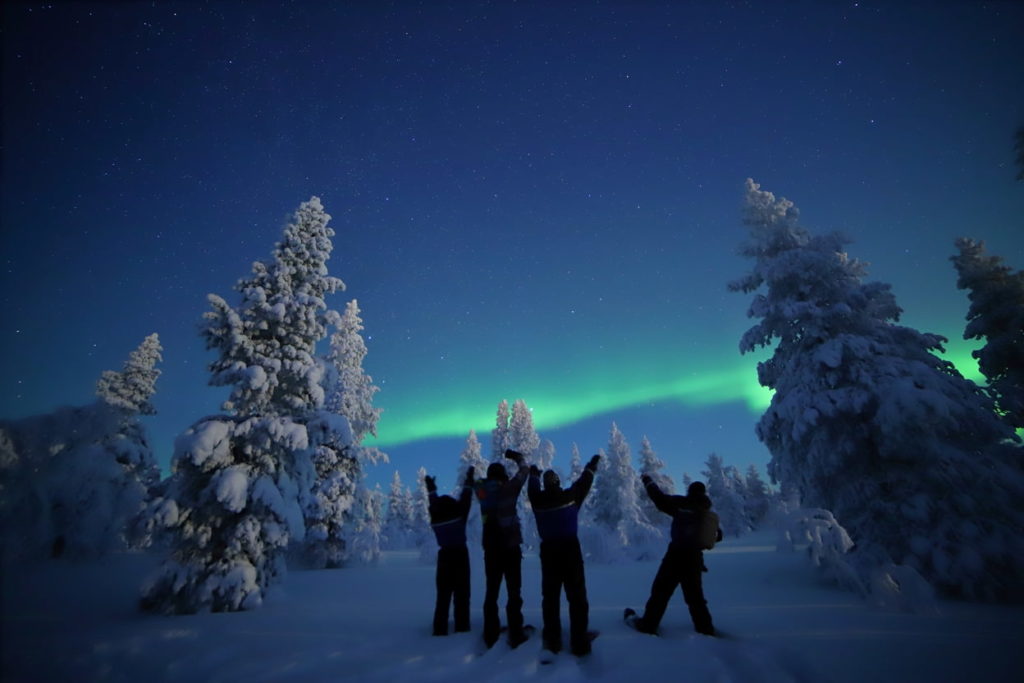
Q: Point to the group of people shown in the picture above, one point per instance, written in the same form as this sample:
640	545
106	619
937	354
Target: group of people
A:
556	510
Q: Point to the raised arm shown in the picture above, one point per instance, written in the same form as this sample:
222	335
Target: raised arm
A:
661	500
466	497
431	491
533	488
515	484
581	487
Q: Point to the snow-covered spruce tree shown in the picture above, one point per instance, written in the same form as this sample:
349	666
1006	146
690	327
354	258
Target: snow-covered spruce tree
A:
758	499
339	459
575	464
398	520
727	498
617	510
544	456
132	388
866	422
239	480
423	535
522	436
361	534
500	433
997	316
350	390
471	458
653	466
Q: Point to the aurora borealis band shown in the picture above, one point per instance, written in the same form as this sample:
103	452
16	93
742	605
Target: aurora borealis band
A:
556	407
535	201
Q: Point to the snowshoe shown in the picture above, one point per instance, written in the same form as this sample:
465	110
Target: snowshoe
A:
515	640
633	621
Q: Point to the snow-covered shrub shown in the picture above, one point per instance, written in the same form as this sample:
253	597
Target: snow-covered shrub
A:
76	482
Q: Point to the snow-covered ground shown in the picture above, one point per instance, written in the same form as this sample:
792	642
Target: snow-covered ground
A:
65	622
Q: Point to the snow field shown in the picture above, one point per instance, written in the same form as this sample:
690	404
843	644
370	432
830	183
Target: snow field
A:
79	623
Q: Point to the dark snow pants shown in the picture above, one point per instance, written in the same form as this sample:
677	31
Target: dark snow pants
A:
503	563
452	581
561	564
681	568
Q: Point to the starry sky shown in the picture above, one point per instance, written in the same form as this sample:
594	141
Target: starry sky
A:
536	200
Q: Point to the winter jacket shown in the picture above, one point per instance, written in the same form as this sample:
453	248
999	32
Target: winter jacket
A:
682	509
498	510
557	510
449	521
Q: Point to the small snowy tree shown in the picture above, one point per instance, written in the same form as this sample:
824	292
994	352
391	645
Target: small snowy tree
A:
721	482
350	390
616	504
652	465
362	534
544	457
500	433
868	423
758	499
997	316
398	521
132	388
575	464
423	536
339	458
522	436
471	459
240	481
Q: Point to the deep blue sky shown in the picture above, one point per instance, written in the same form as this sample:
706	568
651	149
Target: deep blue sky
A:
532	200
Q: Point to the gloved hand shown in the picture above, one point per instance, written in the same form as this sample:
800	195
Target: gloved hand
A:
646	479
592	465
470	476
431	484
534	471
514	456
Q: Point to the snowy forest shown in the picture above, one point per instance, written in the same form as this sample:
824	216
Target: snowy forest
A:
900	477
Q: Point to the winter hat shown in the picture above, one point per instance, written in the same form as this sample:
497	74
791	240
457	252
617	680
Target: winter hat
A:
551	480
697	488
496	471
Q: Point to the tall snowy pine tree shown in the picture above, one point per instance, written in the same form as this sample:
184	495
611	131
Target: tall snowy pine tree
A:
868	423
239	480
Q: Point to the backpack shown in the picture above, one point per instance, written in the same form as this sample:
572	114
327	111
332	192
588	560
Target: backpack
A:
696	530
708	532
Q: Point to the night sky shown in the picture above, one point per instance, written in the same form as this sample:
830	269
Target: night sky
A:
531	200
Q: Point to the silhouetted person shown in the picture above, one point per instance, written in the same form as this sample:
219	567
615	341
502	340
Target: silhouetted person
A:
503	556
561	560
683	563
448	520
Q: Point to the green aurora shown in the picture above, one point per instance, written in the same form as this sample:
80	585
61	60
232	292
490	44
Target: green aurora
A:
734	381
